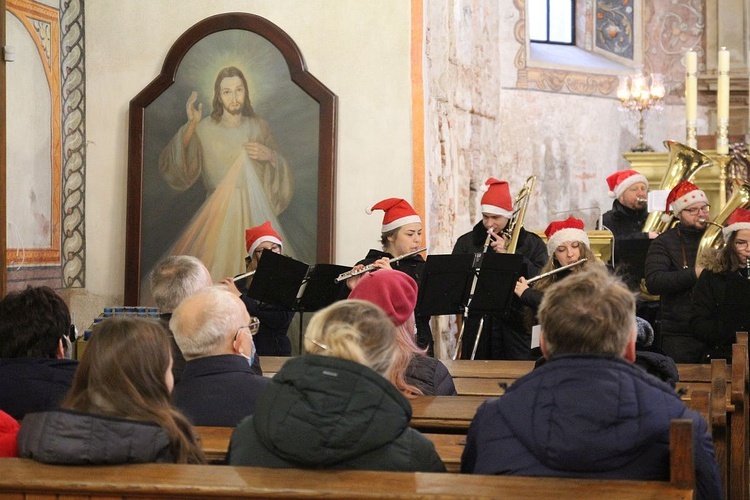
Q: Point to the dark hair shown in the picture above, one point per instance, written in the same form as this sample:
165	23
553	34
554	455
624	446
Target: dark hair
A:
727	256
218	107
122	374
32	322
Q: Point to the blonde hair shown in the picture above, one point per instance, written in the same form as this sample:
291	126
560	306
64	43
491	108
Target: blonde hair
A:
589	312
552	263
356	330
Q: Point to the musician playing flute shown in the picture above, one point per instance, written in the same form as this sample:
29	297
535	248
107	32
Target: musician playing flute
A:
400	234
271	339
504	336
722	294
567	244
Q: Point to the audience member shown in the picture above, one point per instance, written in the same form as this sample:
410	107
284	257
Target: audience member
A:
8	435
215	333
174	279
335	408
34	350
118	410
587	412
414	373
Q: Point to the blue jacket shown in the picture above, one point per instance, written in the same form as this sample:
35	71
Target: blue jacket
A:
34	384
218	390
586	416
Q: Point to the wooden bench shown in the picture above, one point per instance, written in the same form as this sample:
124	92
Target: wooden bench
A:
215	442
23	478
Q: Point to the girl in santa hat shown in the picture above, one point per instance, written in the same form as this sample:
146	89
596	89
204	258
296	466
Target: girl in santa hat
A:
723	290
271	339
400	234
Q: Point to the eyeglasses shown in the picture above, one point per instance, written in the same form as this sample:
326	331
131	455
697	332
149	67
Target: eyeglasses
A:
253	327
741	244
696	210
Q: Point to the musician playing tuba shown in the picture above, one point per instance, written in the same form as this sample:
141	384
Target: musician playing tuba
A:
671	270
722	293
629	208
504	336
400	234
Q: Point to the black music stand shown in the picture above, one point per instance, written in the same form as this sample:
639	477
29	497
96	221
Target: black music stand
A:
447	279
285	282
736	315
629	260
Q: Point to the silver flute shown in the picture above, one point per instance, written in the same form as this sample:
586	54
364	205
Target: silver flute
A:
369	267
554	271
249	273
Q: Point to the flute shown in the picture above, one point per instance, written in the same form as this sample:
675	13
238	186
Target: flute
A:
369	267
237	278
548	273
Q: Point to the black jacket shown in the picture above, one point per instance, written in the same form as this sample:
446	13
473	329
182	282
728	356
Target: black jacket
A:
321	412
626	223
430	375
73	438
34	384
715	317
665	276
218	390
530	246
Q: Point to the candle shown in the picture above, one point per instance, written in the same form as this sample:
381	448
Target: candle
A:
722	102
691	96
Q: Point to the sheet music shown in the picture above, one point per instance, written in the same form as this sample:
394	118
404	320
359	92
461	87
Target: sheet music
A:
657	200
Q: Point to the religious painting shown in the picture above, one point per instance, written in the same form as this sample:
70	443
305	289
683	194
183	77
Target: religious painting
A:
233	133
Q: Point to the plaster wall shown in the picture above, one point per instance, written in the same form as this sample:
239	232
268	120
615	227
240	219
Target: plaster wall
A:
360	50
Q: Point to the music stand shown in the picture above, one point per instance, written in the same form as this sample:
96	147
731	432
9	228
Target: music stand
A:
629	260
298	287
736	314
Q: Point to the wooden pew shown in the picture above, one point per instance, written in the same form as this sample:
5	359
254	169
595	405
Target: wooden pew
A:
739	469
23	478
215	442
444	414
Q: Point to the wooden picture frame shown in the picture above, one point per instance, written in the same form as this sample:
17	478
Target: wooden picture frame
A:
285	97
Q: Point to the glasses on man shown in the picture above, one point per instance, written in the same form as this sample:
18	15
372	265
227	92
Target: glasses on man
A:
253	327
741	244
696	210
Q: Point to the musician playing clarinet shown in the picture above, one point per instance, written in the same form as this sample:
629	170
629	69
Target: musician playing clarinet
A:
400	234
504	336
722	293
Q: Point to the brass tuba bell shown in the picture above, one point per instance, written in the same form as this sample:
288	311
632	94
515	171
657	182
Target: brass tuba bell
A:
684	163
713	237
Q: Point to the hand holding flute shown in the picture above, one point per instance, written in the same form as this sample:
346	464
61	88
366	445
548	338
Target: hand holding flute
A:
383	262
523	284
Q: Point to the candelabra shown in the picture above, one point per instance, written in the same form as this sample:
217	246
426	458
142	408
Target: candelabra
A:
638	99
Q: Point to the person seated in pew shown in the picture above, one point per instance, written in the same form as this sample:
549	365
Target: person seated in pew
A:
215	333
119	409
414	373
722	293
271	339
335	407
9	427
587	412
35	350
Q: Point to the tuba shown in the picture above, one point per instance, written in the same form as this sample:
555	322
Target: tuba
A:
513	229
684	163
713	237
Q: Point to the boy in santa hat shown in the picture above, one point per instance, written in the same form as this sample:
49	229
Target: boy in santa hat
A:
504	336
629	210
671	270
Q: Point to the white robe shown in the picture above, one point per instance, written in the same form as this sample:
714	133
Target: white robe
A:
242	193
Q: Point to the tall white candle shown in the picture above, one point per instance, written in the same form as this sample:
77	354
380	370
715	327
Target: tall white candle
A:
722	103
691	97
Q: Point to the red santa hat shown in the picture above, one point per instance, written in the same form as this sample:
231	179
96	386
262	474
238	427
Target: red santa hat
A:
740	219
559	232
684	194
392	291
496	200
398	213
259	234
622	180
